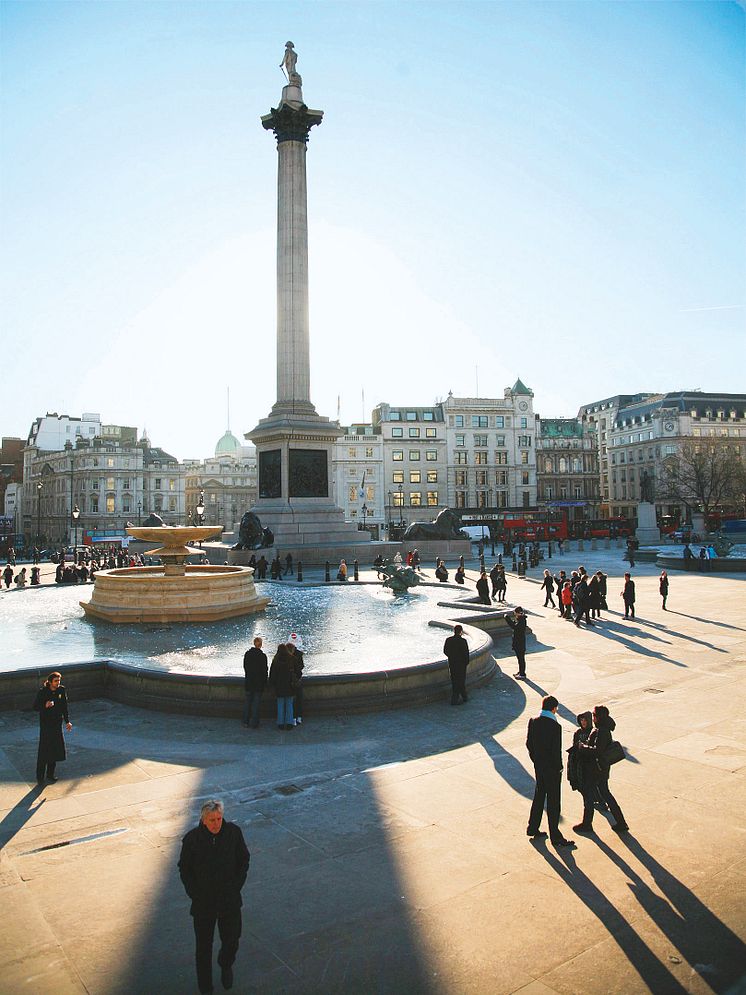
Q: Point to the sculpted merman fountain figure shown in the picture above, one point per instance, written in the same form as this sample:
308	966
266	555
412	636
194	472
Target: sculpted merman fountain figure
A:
175	591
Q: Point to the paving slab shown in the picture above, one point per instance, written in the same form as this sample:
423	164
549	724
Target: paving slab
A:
389	852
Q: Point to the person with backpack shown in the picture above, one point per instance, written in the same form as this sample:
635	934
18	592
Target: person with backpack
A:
593	755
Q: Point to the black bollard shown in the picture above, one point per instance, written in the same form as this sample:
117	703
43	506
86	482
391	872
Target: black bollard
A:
356	567
300	570
550	550
500	558
327	578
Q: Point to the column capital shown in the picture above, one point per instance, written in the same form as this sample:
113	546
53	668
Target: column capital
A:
291	123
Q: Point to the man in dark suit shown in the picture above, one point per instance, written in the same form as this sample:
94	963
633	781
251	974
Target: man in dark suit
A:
518	624
544	744
456	650
255	681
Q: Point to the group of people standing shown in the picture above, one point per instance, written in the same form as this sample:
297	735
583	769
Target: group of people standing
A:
589	764
285	677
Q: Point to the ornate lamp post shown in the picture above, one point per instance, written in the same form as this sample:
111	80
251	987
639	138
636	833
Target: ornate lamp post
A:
401	505
200	512
38	513
390	510
75	516
139	509
365	514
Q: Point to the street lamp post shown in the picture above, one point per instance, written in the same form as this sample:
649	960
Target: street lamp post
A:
401	505
390	510
75	516
365	514
200	511
38	514
139	509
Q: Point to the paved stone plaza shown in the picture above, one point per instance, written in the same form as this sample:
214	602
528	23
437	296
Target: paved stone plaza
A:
389	851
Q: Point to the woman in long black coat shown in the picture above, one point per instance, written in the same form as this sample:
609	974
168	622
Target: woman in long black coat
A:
282	680
51	704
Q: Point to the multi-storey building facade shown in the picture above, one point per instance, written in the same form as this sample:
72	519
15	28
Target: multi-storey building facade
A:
111	478
415	461
227	483
51	432
567	467
358	472
646	432
491	450
601	416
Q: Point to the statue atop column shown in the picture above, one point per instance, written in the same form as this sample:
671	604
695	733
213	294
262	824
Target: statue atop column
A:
289	60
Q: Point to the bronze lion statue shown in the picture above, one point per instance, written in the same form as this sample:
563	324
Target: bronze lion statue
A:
446	526
251	535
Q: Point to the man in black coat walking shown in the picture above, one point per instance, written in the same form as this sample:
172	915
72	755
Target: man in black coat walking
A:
255	681
213	866
456	650
544	744
51	704
518	624
628	595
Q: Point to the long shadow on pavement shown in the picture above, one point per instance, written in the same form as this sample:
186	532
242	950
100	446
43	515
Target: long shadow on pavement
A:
17	817
654	974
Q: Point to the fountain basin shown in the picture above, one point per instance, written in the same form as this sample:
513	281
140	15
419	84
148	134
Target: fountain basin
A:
146	594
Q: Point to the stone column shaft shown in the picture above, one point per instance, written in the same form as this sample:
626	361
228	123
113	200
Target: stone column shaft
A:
293	361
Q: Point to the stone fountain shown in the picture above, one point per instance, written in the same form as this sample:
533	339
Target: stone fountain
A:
175	591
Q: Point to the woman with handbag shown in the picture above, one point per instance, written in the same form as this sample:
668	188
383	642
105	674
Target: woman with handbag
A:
594	755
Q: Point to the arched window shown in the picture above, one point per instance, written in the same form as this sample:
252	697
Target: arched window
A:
562	465
547	466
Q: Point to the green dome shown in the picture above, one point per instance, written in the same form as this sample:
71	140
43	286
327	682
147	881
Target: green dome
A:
228	445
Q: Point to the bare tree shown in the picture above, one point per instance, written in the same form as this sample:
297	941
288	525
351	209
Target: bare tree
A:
704	477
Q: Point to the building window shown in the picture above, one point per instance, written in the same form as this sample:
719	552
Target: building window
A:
370	492
398	499
480	440
369	452
460	499
414	455
461	459
548	493
395	415
110	461
397	433
524	457
431	433
432	476
502	499
524	423
480	458
460	439
157	483
524	440
526	499
460	478
499	440
172	484
501	457
398	455
563	493
431	455
479	421
501	478
415	476
482	499
481	476
499	421
172	504
414	432
432	498
126	483
578	493
398	476
352	495
352	452
94	504
411	416
547	466
109	483
524	478
415	499
428	416
109	504
458	421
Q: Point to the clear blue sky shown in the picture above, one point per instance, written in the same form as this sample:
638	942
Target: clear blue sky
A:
554	191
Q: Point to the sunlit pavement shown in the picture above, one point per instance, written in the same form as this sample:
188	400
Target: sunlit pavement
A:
389	851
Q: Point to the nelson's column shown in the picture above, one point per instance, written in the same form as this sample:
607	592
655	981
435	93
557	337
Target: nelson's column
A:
294	443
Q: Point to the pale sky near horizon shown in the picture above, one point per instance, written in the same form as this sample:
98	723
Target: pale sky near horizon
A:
554	191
